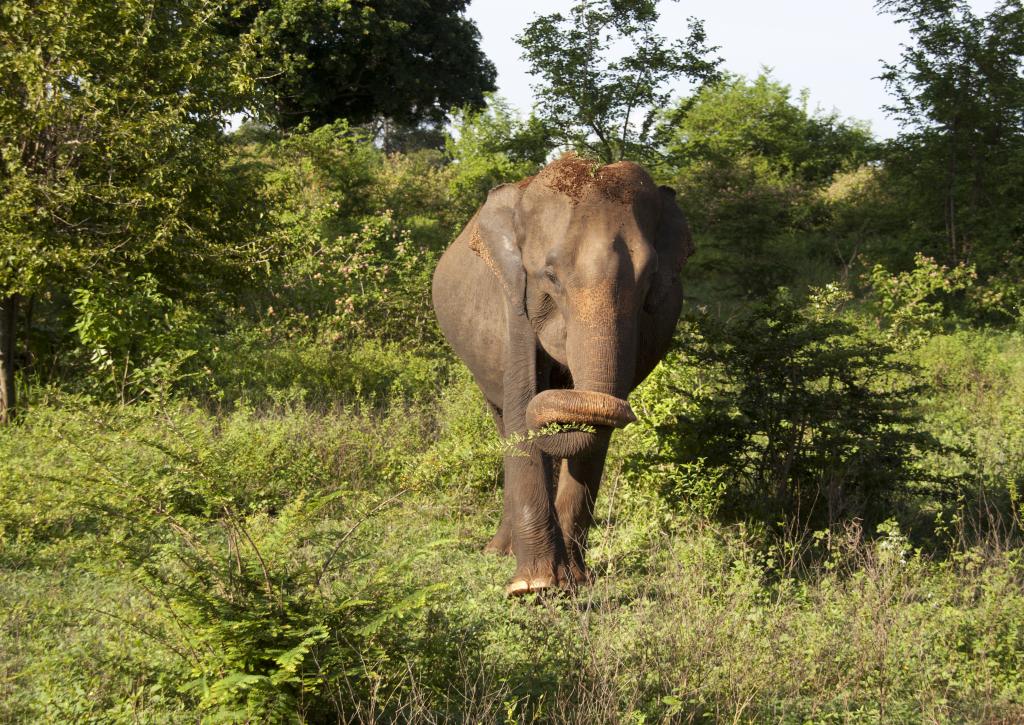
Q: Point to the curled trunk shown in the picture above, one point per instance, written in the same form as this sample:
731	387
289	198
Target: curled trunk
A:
574	407
585	407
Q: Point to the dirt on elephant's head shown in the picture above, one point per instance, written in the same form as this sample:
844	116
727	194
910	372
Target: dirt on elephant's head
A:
575	176
570	175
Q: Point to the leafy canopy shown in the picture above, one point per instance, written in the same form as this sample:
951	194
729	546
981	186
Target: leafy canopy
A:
605	106
111	121
960	68
750	161
407	60
959	93
738	118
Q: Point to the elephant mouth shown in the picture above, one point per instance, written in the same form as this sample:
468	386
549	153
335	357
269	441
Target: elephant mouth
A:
575	407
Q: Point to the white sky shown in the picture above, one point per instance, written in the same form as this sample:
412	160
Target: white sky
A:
833	48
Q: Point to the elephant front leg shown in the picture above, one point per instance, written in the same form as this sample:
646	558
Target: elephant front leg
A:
501	543
578	483
537	542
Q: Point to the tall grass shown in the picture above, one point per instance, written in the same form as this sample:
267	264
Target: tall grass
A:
162	562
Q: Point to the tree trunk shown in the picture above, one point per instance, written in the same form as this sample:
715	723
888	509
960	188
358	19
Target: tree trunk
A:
8	319
951	189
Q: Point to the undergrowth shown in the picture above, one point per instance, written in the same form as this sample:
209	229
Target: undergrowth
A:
165	561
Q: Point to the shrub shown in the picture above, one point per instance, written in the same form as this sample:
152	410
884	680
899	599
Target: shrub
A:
739	209
242	536
811	420
412	187
660	453
262	366
977	404
468	451
137	339
372	283
314	182
911	305
490	147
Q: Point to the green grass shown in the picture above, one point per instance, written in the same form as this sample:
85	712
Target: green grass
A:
166	563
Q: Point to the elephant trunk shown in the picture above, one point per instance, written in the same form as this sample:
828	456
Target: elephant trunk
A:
602	367
586	407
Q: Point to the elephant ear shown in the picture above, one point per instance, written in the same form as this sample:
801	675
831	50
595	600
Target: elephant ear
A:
674	244
496	241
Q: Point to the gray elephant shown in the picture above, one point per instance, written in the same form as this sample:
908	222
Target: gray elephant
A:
561	295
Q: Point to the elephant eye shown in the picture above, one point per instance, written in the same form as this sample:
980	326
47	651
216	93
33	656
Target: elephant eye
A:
550	274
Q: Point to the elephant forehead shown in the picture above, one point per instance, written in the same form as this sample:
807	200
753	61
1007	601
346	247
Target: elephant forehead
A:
545	216
589	247
554	220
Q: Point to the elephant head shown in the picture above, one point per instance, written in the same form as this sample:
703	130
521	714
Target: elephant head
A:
582	253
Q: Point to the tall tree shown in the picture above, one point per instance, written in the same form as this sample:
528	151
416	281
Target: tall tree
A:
592	101
410	61
959	91
111	120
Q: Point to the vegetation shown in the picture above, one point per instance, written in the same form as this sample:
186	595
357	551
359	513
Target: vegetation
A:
960	95
405	60
112	150
248	482
752	166
608	107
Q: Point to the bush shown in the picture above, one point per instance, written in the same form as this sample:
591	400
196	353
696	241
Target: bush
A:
241	536
489	148
977	404
138	341
810	420
372	283
739	210
263	366
314	182
660	453
413	189
468	450
911	305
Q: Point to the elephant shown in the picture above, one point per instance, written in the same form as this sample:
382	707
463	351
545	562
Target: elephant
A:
561	295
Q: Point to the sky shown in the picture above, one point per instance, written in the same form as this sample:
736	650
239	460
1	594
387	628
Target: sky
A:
833	48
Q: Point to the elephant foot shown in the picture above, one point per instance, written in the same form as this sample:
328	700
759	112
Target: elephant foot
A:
520	585
539	581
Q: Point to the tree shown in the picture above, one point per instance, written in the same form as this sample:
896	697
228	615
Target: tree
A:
111	121
959	91
608	107
750	162
738	118
410	61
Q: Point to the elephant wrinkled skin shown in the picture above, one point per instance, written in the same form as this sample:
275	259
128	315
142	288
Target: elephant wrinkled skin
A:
561	295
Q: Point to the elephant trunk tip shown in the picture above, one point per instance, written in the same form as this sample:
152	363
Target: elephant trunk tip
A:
581	407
